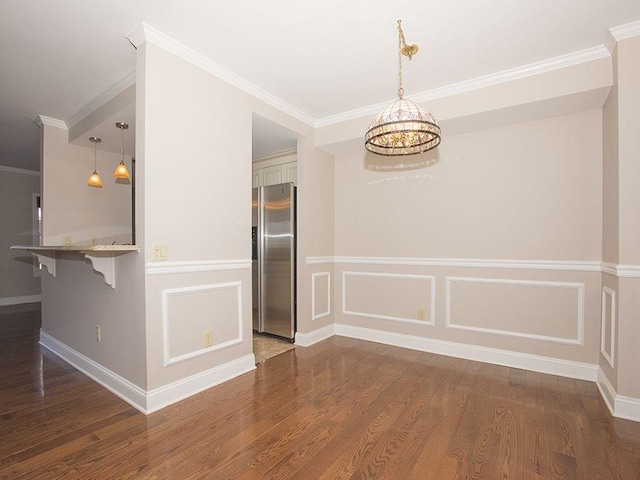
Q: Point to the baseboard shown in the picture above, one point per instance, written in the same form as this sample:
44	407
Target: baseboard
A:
174	392
120	386
619	405
536	363
153	400
308	339
20	300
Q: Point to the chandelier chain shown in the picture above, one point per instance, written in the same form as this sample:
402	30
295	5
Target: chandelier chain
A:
401	43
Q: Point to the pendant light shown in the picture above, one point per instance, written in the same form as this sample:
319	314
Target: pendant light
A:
121	169
94	179
403	128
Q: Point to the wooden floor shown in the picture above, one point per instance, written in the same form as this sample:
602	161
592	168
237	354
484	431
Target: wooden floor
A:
340	409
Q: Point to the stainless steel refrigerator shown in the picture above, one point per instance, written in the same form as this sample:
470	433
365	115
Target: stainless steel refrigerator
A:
274	260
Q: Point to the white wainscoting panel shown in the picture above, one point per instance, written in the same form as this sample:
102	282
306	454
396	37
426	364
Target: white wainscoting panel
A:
608	325
199	291
502	315
421	295
320	295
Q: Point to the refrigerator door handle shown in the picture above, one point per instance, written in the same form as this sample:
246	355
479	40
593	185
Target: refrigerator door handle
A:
261	260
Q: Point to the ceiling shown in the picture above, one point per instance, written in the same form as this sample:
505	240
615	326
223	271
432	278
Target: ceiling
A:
322	58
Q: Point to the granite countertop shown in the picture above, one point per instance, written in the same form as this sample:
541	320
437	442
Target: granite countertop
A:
78	248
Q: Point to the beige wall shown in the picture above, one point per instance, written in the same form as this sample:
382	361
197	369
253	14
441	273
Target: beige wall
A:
619	359
18	282
528	192
73	210
195	148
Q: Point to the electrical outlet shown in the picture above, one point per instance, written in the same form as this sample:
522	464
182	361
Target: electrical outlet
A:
66	240
421	314
208	338
98	333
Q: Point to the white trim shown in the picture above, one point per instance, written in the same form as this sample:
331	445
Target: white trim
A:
432	292
628	271
627	407
313	295
609	355
41	120
628	30
524	71
606	390
153	400
570	265
169	292
120	386
308	339
19	171
147	33
105	97
168	268
320	260
609	268
161	397
275	156
536	363
4	301
579	340
620	406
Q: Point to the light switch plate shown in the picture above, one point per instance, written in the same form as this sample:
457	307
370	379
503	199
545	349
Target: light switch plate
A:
159	251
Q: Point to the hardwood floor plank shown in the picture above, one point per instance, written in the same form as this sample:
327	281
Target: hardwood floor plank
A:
342	408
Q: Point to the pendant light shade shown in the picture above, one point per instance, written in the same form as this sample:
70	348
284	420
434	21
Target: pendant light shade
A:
121	170
403	127
94	179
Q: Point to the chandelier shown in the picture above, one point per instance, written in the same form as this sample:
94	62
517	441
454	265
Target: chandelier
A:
403	127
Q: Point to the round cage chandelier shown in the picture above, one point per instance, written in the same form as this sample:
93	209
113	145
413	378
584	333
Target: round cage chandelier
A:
403	127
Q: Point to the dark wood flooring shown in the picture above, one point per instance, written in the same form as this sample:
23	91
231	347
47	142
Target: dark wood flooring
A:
342	408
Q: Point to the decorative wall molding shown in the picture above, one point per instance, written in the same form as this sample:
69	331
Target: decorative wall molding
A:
275	158
108	95
621	271
147	33
169	268
628	271
625	31
41	120
579	340
120	386
166	395
563	61
308	339
608	303
536	363
19	171
170	292
5	301
432	294
581	266
620	406
314	276
153	400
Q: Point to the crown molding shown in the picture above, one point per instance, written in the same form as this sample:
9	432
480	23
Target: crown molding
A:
41	120
625	31
530	70
147	33
108	95
272	156
19	171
